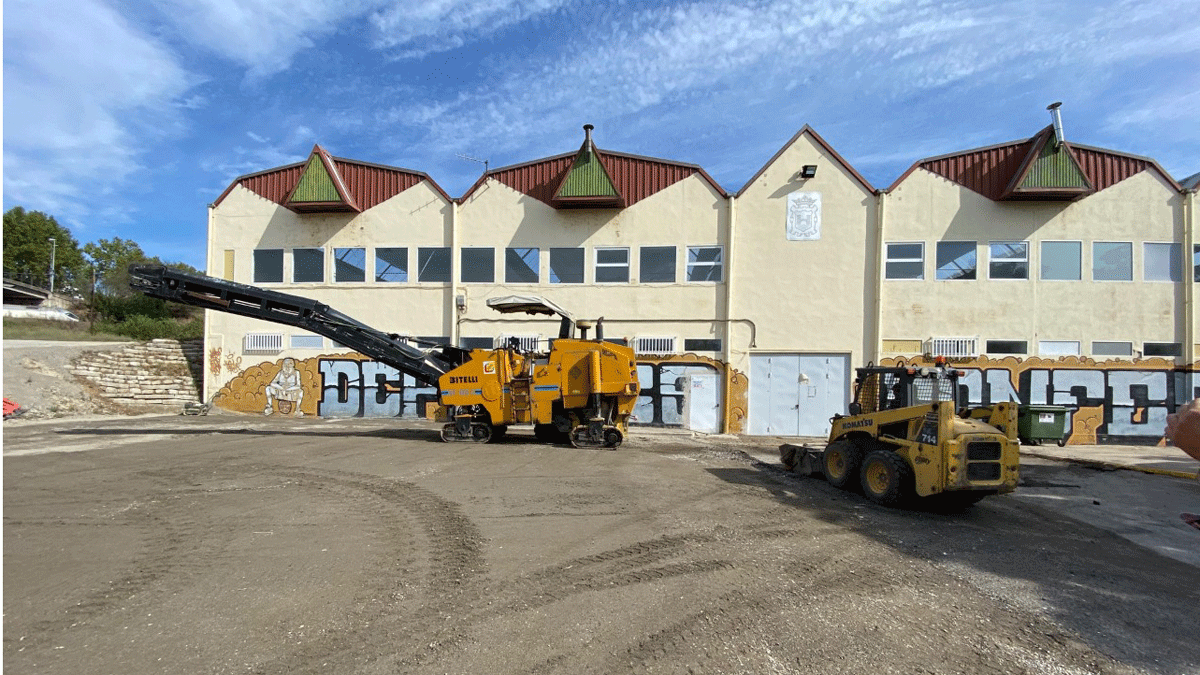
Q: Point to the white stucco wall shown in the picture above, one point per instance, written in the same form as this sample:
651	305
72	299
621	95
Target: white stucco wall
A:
928	208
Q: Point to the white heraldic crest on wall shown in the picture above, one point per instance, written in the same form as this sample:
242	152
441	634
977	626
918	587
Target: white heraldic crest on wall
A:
804	216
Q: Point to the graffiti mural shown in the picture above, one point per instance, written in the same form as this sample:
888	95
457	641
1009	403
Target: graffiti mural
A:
1109	402
351	385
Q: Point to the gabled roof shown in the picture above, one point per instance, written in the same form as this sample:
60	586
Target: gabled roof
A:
1192	182
596	179
1035	169
866	185
325	183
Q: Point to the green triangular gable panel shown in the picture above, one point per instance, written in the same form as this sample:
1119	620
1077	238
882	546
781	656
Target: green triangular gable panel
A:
315	184
587	178
1054	168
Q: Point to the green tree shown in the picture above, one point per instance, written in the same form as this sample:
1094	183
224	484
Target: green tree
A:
112	258
27	251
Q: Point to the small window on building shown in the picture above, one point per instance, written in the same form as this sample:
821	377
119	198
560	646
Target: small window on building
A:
654	345
701	345
657	264
1112	348
349	265
1195	262
1061	260
306	342
566	265
1008	260
705	263
1112	261
1058	348
1162	262
956	260
433	265
1162	349
308	265
478	265
905	261
268	266
1007	347
612	265
521	266
476	342
391	265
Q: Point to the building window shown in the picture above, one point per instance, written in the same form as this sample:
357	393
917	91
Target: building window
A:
308	265
268	266
1061	260
1112	261
1162	349
521	265
1058	348
905	261
1008	260
956	260
307	342
1007	347
349	265
476	342
612	265
705	263
1110	348
701	345
1162	262
478	265
566	265
654	345
1195	262
391	265
433	264
656	264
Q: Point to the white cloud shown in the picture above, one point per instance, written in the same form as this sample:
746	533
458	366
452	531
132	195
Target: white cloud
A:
413	30
85	94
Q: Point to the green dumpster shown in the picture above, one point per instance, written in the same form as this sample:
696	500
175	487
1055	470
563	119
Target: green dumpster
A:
1037	423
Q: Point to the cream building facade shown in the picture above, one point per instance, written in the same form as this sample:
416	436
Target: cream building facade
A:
749	311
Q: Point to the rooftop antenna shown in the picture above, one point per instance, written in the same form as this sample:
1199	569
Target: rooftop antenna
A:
469	158
1056	118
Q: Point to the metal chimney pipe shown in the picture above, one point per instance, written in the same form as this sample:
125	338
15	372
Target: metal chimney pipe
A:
1056	117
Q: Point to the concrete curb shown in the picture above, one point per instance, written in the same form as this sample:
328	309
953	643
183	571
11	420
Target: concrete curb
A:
1100	464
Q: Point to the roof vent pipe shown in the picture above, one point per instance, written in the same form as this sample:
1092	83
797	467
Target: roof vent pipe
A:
587	137
1057	119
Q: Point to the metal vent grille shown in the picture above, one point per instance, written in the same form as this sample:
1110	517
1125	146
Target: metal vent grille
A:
654	345
954	347
271	343
528	343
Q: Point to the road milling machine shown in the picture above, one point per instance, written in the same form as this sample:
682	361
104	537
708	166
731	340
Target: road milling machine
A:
580	389
910	435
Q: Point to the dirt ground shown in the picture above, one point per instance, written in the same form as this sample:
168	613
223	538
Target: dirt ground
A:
37	376
228	544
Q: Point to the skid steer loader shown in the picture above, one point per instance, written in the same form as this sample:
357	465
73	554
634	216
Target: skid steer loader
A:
908	435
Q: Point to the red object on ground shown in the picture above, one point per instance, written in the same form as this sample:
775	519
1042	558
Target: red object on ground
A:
10	407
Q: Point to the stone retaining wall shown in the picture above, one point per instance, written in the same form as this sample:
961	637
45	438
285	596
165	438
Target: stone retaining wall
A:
156	373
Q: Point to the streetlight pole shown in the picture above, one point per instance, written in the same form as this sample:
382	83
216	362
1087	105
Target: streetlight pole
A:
53	247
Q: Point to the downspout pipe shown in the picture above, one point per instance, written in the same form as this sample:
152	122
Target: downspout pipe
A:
726	396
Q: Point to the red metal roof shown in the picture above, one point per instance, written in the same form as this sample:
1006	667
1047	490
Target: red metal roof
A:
368	184
991	171
634	177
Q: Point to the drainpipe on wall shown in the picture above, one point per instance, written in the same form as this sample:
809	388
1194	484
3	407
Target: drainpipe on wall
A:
1189	288
726	398
209	258
879	271
454	273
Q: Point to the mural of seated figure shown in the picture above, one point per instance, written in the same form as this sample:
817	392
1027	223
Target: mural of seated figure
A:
285	391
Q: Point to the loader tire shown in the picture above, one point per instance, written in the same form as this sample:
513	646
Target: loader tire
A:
841	462
886	478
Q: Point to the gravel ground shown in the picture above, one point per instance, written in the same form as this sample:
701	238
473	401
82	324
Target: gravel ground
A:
37	376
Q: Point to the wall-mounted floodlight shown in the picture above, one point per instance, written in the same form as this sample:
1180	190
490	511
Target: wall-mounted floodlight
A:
807	171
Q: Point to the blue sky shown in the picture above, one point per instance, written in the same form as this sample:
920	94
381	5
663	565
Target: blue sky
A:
126	118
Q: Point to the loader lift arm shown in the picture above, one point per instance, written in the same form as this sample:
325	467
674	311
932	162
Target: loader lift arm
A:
425	365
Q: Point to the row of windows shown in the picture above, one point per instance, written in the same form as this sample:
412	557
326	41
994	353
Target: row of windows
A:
1060	260
969	347
273	343
611	265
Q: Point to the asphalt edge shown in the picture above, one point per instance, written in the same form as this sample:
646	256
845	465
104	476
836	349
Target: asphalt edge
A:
1100	464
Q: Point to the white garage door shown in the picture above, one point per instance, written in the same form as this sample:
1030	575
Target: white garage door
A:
796	394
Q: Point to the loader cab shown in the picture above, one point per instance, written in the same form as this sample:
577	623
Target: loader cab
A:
878	388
